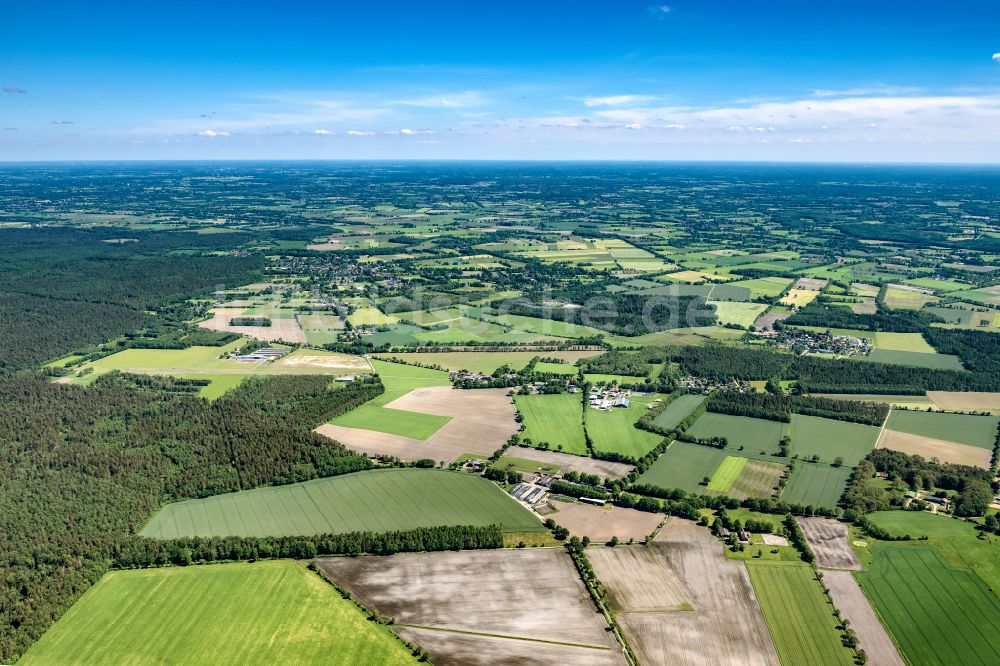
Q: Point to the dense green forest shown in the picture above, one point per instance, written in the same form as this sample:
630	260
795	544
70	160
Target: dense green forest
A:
64	288
83	468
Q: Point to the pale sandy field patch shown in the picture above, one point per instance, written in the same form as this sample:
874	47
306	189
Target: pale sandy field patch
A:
600	523
286	328
965	401
602	468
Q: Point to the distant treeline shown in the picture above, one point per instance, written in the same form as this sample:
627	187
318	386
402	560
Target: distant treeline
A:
823	313
979	351
139	551
781	407
625	313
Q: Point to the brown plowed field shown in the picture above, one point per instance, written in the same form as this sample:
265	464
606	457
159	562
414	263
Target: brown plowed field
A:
965	401
685	565
828	539
602	468
286	328
468	607
600	523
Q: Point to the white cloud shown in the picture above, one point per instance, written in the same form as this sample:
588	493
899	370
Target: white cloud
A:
460	100
616	100
633	126
411	132
359	133
324	132
996	57
659	10
211	133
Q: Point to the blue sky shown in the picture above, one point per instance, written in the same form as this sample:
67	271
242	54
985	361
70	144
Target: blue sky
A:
688	79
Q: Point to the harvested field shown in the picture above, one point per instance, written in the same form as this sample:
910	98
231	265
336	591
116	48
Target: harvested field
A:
514	598
481	422
286	328
600	523
564	461
966	401
724	625
828	539
766	321
962	454
854	606
624	571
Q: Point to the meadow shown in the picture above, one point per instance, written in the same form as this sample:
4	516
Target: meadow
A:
915	359
967	429
677	411
398	379
816	484
266	612
378	500
556	419
831	439
798	614
741	314
684	466
615	431
485	362
757	435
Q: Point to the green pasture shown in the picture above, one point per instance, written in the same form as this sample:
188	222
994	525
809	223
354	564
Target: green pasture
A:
615	432
556	368
915	359
756	435
816	484
677	411
831	439
274	612
968	429
379	500
556	419
684	466
727	473
741	314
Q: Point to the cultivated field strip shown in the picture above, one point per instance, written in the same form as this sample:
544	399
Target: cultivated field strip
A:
798	614
758	478
600	523
375	500
816	484
854	606
828	539
449	599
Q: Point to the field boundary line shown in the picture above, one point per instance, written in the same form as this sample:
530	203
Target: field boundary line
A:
466	632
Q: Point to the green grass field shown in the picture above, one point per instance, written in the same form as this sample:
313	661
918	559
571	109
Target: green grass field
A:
677	411
727	473
545	326
615	431
830	439
742	314
597	378
485	362
683	466
961	428
816	484
911	342
755	435
265	613
556	368
936	613
915	359
378	500
556	419
768	286
399	379
798	614
370	316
